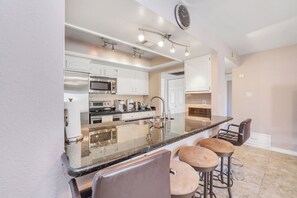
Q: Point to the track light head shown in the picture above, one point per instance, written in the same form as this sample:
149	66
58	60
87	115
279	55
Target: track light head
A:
141	37
161	42
187	52
172	49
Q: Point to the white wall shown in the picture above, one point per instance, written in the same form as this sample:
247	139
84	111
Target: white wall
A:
31	98
267	93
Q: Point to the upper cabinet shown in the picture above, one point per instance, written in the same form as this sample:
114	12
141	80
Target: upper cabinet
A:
198	74
129	82
132	82
104	71
74	63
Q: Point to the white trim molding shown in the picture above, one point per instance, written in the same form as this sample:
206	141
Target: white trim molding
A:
261	140
284	151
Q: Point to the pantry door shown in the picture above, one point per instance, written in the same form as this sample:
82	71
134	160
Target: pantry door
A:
176	95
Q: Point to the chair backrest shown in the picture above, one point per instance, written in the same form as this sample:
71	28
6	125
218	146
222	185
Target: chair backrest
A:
146	177
245	130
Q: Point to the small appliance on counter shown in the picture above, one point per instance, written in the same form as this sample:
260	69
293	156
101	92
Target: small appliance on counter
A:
119	105
130	105
137	106
100	105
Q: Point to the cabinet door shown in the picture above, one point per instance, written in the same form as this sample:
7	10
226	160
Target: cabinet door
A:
198	74
125	82
148	114
110	72
96	69
141	83
73	63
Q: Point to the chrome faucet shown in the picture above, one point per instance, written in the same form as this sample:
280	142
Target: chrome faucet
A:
163	104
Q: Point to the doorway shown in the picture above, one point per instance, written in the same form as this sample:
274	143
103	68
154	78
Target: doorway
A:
173	91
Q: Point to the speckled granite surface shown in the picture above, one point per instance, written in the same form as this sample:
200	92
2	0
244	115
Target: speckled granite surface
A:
128	139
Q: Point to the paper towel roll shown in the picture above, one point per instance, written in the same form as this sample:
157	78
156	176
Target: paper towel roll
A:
73	129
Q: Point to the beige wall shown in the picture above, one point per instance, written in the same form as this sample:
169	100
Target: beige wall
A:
155	85
268	94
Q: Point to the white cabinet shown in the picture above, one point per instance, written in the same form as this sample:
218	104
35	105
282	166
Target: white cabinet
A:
104	71
131	82
198	74
138	115
73	63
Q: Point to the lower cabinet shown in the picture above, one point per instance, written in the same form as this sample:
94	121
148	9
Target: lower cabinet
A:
138	115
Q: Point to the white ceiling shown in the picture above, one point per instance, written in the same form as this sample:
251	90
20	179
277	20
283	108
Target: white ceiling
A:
248	25
121	19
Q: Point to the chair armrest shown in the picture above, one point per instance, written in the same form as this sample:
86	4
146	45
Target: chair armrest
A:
233	125
228	131
74	189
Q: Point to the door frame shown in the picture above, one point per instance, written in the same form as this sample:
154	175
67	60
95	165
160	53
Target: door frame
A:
164	84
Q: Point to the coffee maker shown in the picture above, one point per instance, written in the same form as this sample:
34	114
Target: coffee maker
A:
119	105
130	105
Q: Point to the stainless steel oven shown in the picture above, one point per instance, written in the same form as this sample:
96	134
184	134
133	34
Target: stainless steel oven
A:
97	119
101	85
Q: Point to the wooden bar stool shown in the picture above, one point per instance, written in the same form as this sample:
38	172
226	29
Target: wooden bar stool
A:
223	149
184	180
202	160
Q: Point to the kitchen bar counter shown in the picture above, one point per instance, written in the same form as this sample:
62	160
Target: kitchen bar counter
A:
108	144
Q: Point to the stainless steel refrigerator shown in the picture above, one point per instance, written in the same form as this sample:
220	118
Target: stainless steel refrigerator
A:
76	87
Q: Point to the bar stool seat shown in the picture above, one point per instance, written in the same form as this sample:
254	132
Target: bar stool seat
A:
202	160
221	147
184	180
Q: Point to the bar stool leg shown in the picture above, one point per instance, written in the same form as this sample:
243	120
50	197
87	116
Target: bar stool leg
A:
222	170
206	175
228	179
210	183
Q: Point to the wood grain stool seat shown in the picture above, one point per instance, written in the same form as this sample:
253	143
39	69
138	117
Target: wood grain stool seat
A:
184	180
202	160
223	149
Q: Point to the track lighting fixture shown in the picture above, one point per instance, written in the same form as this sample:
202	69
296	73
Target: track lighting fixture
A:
107	43
141	36
187	52
137	52
161	42
164	37
172	48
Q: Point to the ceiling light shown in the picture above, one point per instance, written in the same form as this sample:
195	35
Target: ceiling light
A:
172	49
161	42
163	38
187	52
141	37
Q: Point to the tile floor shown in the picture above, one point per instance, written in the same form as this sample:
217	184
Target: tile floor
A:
265	174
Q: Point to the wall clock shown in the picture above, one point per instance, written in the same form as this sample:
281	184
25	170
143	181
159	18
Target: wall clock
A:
182	16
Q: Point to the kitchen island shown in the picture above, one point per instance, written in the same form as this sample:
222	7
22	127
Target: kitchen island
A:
107	144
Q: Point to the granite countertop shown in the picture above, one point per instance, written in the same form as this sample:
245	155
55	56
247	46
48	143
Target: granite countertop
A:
100	148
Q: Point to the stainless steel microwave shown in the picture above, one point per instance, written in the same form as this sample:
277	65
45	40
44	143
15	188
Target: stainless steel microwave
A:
101	85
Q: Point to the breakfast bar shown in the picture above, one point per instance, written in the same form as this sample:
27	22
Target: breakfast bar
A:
107	144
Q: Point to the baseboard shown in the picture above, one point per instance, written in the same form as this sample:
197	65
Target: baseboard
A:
284	151
261	140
